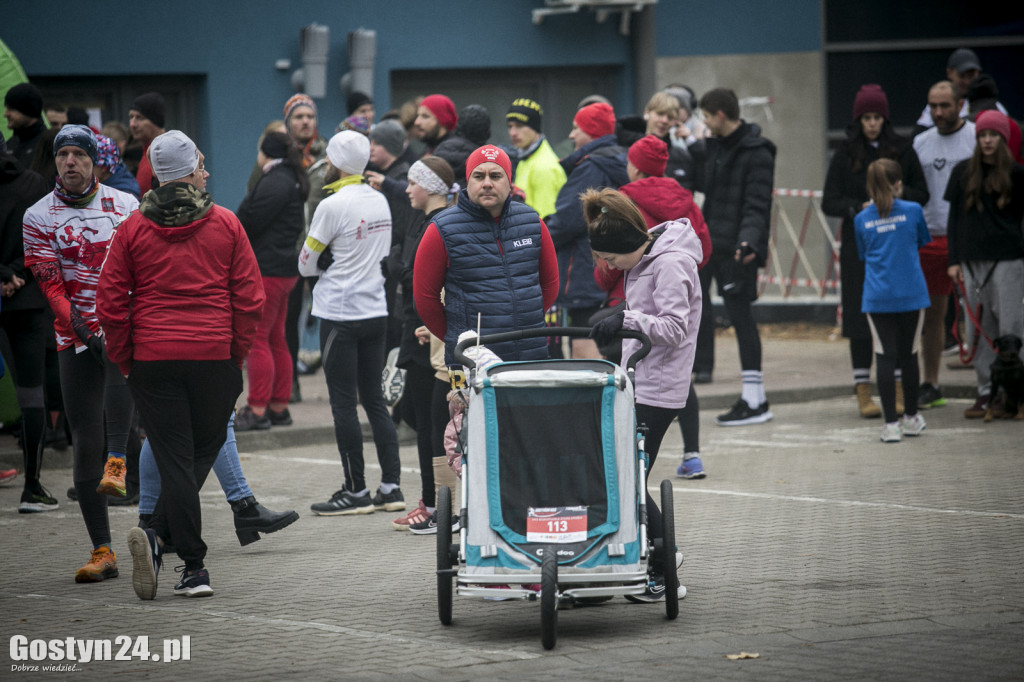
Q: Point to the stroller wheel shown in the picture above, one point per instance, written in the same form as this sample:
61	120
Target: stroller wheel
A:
549	598
444	555
668	551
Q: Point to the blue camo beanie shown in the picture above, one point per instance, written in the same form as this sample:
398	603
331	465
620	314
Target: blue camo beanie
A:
76	136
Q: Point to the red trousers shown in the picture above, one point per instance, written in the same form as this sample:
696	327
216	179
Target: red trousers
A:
269	366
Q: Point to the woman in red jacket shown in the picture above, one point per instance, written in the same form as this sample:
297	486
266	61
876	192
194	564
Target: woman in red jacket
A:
179	300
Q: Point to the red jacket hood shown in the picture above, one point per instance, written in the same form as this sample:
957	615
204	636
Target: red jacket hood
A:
177	233
660	199
663	199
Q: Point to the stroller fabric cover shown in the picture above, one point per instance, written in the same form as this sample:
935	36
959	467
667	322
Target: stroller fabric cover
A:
550	445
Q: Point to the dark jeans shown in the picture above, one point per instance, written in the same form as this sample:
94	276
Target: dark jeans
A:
353	360
185	406
738	286
99	410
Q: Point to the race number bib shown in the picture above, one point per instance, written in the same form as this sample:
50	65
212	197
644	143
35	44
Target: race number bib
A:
556	524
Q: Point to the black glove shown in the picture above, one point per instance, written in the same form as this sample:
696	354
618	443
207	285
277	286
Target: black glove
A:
96	347
604	331
325	260
744	249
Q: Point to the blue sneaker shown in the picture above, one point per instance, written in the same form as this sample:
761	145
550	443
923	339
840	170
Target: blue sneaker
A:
691	468
193	583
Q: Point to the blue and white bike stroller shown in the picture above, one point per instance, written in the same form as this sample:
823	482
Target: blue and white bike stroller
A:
553	476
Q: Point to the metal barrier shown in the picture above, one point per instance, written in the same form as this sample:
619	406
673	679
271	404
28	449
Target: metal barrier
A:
812	252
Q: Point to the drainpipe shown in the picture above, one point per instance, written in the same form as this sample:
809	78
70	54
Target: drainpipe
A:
644	50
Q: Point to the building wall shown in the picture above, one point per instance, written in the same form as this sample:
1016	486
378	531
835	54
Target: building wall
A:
796	125
232	46
737	27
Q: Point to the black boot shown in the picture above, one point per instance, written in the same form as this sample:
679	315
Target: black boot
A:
252	518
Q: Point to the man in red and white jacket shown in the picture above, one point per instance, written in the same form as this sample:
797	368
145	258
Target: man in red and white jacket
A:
66	235
179	300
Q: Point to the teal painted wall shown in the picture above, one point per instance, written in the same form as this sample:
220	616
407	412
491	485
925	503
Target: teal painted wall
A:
233	46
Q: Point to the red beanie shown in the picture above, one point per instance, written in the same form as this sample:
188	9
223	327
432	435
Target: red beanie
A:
650	155
596	120
870	99
990	119
443	110
489	153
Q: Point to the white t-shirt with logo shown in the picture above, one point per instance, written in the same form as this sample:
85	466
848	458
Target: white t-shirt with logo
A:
938	154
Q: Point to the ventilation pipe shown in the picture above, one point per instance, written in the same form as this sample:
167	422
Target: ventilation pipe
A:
314	40
362	53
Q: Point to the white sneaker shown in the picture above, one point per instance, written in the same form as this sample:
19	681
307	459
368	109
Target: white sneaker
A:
891	433
912	426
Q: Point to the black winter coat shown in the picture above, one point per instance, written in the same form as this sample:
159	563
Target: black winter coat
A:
844	196
19	189
273	217
399	268
737	176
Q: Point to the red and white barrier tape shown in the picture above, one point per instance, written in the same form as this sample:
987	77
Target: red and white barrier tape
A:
811	193
799	282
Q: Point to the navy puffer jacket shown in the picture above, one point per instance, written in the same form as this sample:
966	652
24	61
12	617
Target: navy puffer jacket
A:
494	271
600	163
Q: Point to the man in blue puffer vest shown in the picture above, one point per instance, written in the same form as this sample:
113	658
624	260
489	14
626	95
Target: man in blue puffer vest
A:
492	257
597	162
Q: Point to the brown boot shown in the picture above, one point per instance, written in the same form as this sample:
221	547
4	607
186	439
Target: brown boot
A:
900	408
868	409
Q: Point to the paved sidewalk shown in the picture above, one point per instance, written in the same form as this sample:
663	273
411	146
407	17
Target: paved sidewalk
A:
797	368
811	544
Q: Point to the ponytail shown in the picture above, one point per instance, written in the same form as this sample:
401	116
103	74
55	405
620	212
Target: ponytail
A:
883	174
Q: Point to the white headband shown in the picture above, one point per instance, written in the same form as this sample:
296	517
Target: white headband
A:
421	174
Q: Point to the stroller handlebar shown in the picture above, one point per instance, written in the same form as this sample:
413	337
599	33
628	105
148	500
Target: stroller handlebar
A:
573	332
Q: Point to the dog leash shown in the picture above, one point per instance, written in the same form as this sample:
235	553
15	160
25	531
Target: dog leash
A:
976	320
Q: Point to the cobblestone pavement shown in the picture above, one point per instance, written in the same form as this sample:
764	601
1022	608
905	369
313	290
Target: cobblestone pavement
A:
811	544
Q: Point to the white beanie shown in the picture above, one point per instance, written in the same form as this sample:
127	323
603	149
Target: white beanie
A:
349	152
173	155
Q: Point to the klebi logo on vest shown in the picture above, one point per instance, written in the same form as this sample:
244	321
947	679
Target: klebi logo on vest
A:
518	243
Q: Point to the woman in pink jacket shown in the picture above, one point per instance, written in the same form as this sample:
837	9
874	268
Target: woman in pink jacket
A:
663	301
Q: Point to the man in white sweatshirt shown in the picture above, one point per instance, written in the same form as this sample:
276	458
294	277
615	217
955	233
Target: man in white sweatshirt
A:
349	236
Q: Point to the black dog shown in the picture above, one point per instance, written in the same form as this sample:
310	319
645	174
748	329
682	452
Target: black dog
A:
1007	373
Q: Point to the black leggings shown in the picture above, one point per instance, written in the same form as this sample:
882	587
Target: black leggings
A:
657	420
96	396
416	407
896	336
689	422
742	283
27	331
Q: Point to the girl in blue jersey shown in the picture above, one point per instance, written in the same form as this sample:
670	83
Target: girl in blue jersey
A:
889	233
